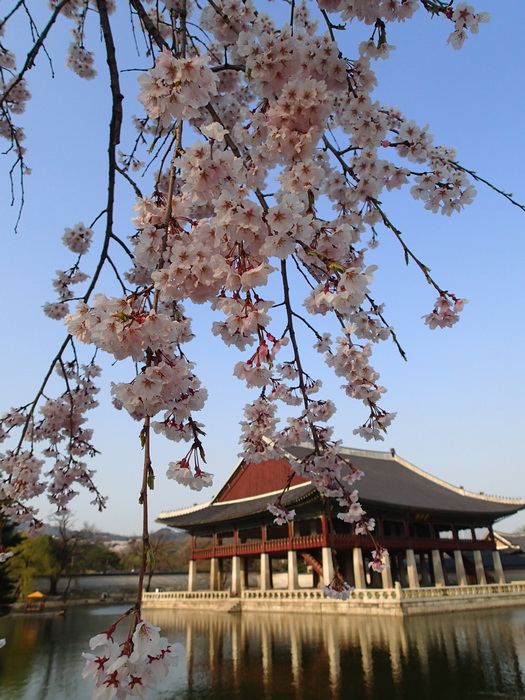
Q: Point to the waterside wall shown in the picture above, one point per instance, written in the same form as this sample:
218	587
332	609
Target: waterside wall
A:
394	601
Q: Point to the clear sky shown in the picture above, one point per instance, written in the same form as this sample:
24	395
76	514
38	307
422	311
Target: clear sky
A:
460	396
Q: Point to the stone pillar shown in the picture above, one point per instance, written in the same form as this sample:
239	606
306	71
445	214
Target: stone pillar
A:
265	583
425	569
293	573
480	571
348	569
215	574
413	576
244	573
192	575
386	574
236	576
328	566
499	575
460	568
359	568
437	565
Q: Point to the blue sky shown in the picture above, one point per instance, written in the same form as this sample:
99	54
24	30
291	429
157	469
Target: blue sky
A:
459	398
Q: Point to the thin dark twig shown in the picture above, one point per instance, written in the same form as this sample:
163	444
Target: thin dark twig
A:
478	178
31	56
122	245
114	137
149	24
131	181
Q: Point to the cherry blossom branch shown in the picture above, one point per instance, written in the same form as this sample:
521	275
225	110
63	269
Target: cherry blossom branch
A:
409	255
41	390
297	356
114	137
149	25
489	184
147	483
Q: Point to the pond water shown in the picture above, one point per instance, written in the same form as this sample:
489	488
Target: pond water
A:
284	657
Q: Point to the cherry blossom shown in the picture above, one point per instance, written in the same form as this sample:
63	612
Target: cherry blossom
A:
133	667
282	515
338	588
264	157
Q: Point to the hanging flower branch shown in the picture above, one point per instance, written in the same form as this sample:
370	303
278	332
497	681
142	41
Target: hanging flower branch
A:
270	149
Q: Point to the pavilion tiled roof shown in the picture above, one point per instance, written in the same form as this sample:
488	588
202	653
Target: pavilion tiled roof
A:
389	481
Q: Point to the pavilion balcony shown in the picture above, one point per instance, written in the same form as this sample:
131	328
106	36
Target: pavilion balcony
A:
339	542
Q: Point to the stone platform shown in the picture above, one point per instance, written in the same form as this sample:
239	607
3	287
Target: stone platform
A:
394	601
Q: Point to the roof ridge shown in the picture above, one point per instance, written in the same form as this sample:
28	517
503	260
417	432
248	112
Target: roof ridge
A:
189	509
456	489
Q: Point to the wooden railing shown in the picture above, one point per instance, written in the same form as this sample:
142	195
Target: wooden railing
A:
338	542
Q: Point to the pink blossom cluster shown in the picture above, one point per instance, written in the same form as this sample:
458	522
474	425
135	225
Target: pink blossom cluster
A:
378	562
123	327
465	18
182	473
282	515
338	588
80	61
77	240
60	426
13	95
177	87
133	667
446	311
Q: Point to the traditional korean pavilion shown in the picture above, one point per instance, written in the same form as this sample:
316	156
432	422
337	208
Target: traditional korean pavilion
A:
437	535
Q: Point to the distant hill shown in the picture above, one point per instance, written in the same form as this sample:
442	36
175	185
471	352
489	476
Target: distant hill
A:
166	533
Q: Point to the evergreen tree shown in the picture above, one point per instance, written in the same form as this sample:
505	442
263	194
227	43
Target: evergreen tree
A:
9	537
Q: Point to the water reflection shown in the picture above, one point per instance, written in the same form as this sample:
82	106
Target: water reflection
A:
284	657
476	655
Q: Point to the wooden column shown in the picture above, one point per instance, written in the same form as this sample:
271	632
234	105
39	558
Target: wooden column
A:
324	526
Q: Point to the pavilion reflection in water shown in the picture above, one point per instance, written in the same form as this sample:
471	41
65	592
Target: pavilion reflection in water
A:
291	656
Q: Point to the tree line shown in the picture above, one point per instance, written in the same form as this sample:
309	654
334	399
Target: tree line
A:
69	552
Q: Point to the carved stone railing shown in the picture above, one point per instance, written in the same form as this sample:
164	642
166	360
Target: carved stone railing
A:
461	591
307	594
187	595
369	596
